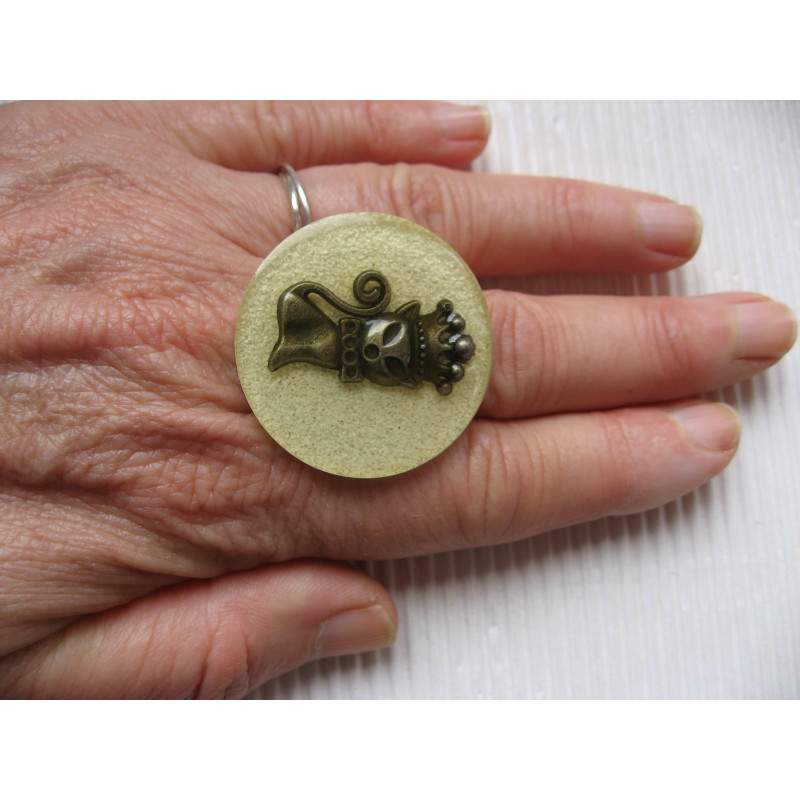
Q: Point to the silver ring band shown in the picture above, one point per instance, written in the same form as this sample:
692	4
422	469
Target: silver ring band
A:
301	214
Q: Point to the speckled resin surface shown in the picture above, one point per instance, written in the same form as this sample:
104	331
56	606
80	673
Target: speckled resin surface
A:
360	430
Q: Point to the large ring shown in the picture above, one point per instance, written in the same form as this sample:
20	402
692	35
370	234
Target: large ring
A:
301	214
369	299
364	345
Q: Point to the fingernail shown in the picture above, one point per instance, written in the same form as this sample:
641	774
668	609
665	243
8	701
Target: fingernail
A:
462	122
765	329
670	228
356	631
710	426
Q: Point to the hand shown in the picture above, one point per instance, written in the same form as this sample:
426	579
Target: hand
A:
154	542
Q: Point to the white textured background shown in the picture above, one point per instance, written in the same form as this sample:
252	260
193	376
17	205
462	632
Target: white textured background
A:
700	598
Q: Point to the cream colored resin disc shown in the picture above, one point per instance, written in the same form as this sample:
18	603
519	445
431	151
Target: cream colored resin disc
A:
360	430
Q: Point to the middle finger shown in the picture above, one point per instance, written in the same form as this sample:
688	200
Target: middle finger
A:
558	354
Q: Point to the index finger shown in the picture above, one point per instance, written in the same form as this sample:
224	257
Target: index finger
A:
259	136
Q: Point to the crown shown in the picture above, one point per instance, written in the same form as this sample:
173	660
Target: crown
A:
442	348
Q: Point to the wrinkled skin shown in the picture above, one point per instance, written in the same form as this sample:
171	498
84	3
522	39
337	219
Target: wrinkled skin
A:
154	542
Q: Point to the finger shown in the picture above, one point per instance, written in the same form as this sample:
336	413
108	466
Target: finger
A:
556	471
509	224
260	136
505	481
555	354
209	639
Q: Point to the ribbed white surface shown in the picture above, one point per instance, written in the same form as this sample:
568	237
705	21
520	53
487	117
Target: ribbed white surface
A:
698	599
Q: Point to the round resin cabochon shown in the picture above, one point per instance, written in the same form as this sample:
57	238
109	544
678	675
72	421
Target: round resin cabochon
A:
360	429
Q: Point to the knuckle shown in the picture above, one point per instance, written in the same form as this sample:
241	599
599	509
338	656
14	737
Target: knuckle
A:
26	127
417	193
474	509
503	397
496	484
571	213
531	343
13	245
74	177
667	338
284	497
376	127
227	670
285	128
616	461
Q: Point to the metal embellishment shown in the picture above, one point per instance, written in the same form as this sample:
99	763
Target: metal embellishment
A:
400	348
